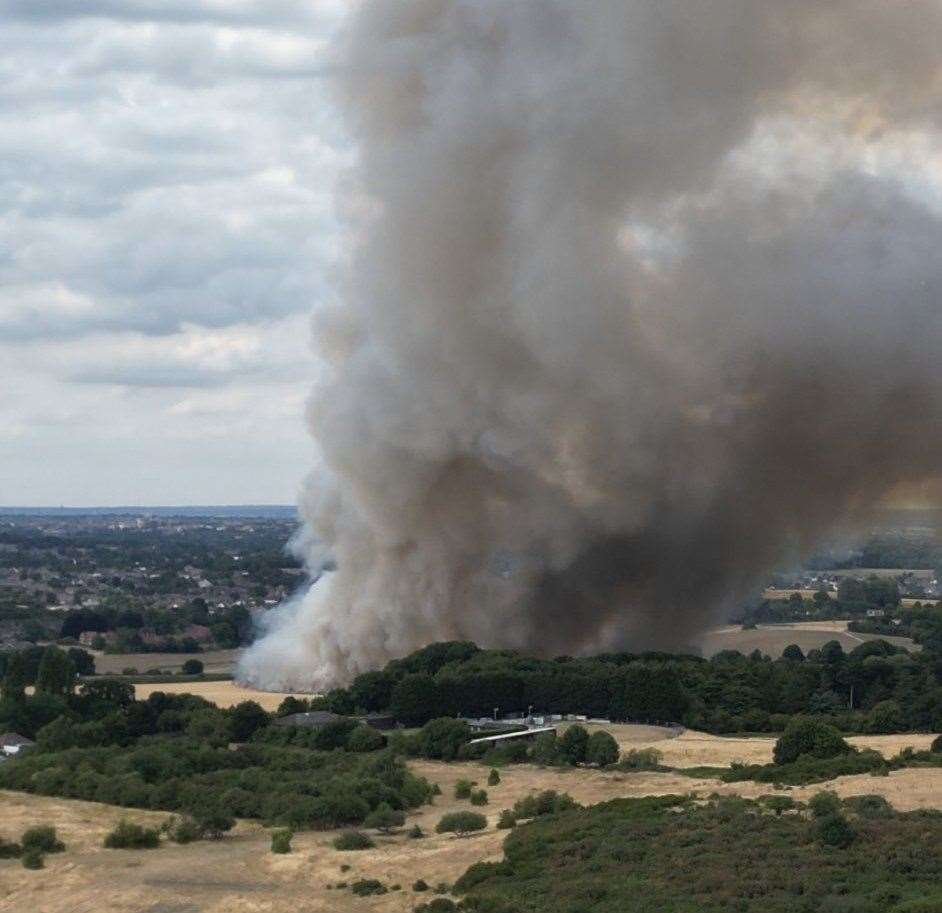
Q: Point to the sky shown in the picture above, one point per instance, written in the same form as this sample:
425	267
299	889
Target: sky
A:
166	225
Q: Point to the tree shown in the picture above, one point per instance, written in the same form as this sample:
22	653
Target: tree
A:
192	667
82	660
824	803
372	691
365	738
493	778
108	690
281	841
573	744
246	719
385	818
805	736
14	681
56	674
885	717
416	700
850	589
601	749
793	653
461	823
835	830
441	739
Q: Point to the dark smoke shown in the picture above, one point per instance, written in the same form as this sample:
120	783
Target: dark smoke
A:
643	296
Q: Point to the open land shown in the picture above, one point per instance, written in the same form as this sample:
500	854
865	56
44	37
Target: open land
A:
222	694
214	661
239	875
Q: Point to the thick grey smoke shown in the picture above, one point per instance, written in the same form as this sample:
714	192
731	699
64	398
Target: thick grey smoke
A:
643	296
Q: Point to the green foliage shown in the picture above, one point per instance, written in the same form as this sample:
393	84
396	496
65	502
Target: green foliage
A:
808	737
493	778
420	885
545	750
32	859
384	818
574	743
56	675
463	789
281	841
641	759
602	749
364	739
367	887
870	807
184	830
834	830
548	802
42	838
192	667
130	836
437	905
10	850
246	719
779	804
353	840
461	823
507	820
416	699
441	739
415	832
824	804
478	797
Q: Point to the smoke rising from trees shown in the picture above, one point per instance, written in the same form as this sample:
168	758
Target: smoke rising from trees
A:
642	298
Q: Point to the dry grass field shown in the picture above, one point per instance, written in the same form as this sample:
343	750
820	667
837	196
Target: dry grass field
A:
240	875
215	661
222	694
773	639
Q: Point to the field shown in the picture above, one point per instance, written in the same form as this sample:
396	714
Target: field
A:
222	694
773	639
215	661
240	875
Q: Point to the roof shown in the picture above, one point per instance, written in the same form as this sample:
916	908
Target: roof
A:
311	719
507	736
14	740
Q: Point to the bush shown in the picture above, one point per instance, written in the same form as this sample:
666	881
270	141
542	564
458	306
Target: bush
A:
128	836
442	739
415	833
834	830
871	808
420	885
213	820
507	820
493	778
641	759
824	804
804	736
192	667
10	850
479	797
602	749
281	840
364	739
438	905
546	803
463	789
574	743
186	830
353	840
461	823
385	818
545	750
32	859
41	838
936	747
367	887
779	804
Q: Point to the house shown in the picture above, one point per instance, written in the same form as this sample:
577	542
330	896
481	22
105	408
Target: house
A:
312	720
12	743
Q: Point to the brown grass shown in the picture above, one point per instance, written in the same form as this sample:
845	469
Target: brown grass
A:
215	661
222	694
773	639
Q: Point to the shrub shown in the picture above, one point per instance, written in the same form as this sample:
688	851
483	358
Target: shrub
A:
129	836
602	749
365	738
366	887
186	830
936	747
41	838
461	823
479	797
213	820
493	778
353	840
420	885
808	737
870	807
192	667
824	803
779	804
834	830
10	850
574	743
441	739
415	833
546	803
545	750
463	789
438	905
32	859
281	840
507	820
246	719
641	759
385	818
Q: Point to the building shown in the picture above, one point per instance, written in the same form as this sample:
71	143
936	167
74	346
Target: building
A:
12	743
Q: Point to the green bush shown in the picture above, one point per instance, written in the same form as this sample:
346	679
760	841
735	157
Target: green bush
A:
353	840
32	859
42	838
507	820
365	739
461	823
192	667
936	747
479	797
870	807
545	803
493	778
415	833
438	905
443	738
779	804
641	759
10	850
385	818
281	841
834	830
824	804
545	750
602	749
463	789
805	736
420	885
129	836
574	743
367	887
184	830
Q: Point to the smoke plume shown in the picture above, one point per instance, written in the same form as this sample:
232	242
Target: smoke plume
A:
643	296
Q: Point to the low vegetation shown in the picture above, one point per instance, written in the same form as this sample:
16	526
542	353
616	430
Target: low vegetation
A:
130	836
353	840
461	823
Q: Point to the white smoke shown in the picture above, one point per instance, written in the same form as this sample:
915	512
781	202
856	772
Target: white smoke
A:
643	294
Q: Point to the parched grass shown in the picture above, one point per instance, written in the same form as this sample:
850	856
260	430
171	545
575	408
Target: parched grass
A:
729	854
